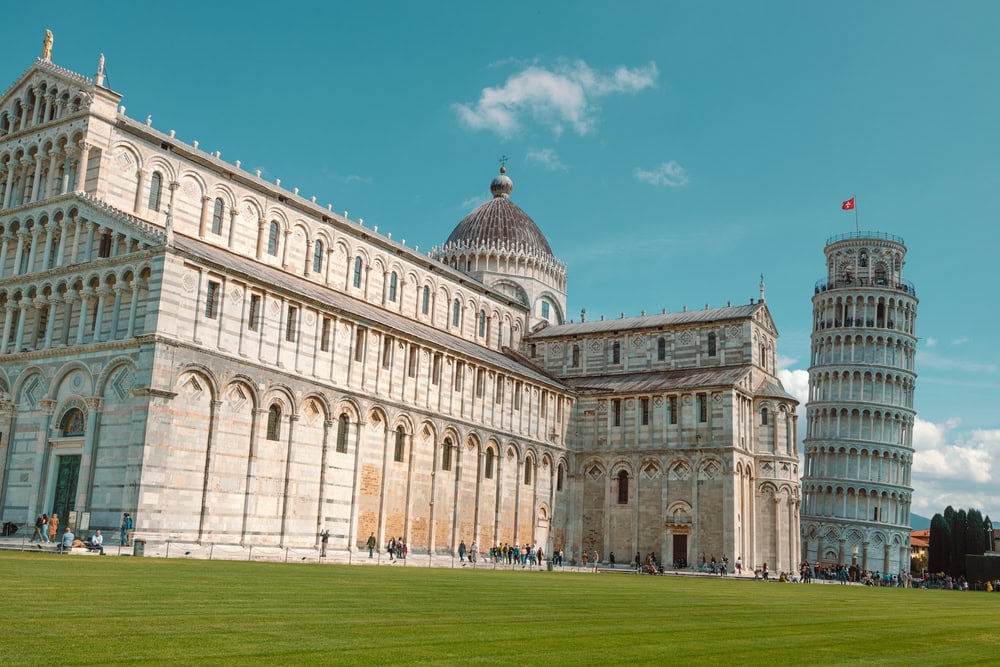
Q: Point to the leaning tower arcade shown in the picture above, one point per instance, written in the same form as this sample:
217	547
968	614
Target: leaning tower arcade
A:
858	445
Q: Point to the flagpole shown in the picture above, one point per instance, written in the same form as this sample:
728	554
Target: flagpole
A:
857	227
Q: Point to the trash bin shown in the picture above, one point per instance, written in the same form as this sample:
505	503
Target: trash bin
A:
139	547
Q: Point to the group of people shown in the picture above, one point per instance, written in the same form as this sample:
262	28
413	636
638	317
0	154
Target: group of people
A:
47	528
523	554
472	552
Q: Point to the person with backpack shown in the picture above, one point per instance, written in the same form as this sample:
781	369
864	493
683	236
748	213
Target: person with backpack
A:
126	529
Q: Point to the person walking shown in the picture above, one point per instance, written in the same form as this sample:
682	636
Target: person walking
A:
126	529
372	542
45	527
461	552
38	529
53	528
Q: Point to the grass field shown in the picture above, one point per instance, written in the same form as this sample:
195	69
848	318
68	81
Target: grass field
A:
91	610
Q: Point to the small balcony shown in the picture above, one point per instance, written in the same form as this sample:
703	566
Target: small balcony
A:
865	283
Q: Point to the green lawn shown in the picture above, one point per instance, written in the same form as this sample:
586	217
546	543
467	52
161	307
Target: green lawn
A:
92	610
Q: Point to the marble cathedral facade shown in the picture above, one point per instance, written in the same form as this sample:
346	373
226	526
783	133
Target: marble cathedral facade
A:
234	364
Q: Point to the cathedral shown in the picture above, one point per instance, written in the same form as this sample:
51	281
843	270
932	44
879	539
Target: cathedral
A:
233	364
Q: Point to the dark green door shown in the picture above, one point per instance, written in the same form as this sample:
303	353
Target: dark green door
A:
66	479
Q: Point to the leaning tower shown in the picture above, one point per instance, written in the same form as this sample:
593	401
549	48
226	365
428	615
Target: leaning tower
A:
859	438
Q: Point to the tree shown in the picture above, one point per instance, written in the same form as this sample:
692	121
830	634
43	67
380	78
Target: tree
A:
975	533
939	551
959	528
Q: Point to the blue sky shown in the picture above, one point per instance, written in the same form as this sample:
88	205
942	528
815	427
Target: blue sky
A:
671	151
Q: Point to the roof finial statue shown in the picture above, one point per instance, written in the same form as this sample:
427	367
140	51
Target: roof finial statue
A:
762	288
503	164
99	77
47	46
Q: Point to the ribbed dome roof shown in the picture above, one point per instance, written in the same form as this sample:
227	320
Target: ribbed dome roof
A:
500	223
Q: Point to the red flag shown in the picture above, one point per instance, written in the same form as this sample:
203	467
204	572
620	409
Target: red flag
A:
848	205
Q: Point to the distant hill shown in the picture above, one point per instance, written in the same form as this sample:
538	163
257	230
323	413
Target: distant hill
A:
918	522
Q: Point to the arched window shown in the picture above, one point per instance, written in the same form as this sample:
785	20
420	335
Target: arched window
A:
559	478
763	416
272	238
616	352
863	259
488	472
343	424
528	465
274	422
622	487
73	423
357	271
393	280
155	188
400	444
482	323
545	310
576	355
318	256
711	344
217	216
425	301
446	454
661	348
456	313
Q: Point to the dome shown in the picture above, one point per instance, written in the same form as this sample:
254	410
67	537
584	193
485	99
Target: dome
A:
500	223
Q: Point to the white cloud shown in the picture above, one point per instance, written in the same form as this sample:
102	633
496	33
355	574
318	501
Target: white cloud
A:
547	158
961	340
954	467
668	174
796	383
564	96
934	360
931	342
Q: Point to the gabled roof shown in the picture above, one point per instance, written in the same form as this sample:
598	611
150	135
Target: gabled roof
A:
66	76
652	321
364	312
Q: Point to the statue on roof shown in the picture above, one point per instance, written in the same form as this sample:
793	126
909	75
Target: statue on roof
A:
47	46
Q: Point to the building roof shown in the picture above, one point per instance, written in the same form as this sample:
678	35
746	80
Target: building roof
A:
773	390
500	223
920	538
648	321
365	313
629	383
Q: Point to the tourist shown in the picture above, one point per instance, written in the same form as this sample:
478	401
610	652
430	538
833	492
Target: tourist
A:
38	529
53	527
372	542
764	573
96	543
45	527
739	565
324	539
611	559
67	540
461	551
390	548
126	529
473	552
